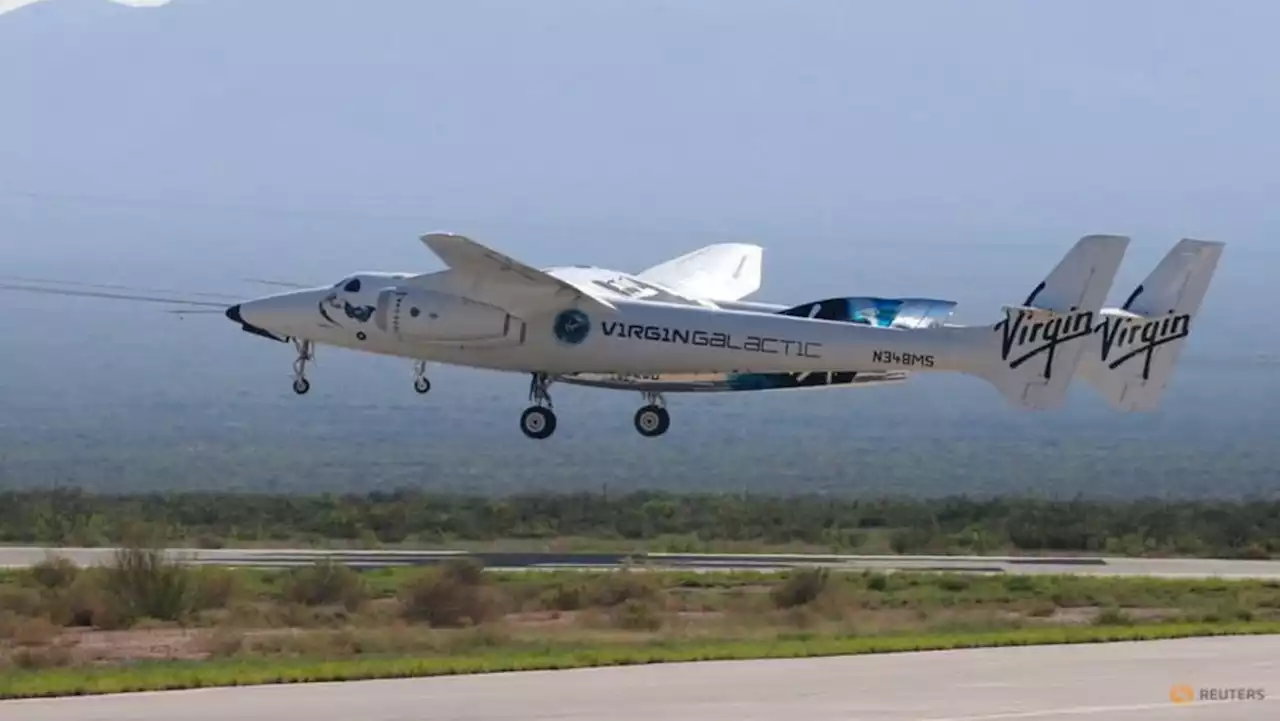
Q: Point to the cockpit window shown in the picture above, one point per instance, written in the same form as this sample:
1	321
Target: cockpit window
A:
352	286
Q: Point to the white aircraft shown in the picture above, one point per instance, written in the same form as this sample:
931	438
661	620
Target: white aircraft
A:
682	326
1173	293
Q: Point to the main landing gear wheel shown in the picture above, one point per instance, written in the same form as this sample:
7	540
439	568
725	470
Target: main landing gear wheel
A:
539	420
420	382
652	421
306	353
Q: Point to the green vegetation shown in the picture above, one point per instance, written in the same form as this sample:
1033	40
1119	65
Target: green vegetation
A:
648	521
174	676
144	622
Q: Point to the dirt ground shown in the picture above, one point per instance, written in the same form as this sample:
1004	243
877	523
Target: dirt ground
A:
95	647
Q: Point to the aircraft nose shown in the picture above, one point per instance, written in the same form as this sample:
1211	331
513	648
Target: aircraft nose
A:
236	315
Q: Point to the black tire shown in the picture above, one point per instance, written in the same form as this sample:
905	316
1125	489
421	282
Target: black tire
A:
537	422
422	385
301	386
652	421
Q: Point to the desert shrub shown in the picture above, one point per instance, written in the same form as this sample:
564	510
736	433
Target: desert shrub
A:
54	573
31	632
21	601
636	614
35	659
952	583
1113	617
142	582
214	587
325	583
86	603
607	590
451	595
801	587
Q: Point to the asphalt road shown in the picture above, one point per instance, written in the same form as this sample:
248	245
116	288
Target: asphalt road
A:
1127	682
14	557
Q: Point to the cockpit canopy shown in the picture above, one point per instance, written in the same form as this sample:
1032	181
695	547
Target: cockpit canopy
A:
356	283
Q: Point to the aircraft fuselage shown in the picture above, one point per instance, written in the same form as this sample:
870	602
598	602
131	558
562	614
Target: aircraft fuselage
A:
428	318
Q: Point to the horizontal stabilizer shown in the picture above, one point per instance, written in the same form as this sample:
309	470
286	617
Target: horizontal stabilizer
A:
1137	346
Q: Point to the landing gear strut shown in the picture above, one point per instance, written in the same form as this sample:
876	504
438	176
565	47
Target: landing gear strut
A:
652	420
539	420
420	382
306	353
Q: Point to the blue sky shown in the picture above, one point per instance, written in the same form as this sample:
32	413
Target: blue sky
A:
884	145
941	149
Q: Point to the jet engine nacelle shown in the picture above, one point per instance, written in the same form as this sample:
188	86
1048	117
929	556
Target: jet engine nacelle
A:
434	317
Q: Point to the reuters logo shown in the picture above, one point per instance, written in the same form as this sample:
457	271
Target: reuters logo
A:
1181	693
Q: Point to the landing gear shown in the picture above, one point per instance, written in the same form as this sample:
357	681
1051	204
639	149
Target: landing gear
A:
306	353
652	420
539	420
420	382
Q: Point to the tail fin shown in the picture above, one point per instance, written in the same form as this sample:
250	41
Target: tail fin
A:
1032	354
1137	346
722	271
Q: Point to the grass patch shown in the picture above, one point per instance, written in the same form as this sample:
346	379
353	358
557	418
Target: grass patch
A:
173	676
144	622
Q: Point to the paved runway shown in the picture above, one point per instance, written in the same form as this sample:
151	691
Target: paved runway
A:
13	557
1126	682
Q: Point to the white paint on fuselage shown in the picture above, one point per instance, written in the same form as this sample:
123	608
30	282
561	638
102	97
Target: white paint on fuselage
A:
761	342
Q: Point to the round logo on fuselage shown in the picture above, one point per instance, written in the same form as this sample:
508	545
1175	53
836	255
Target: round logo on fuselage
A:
572	326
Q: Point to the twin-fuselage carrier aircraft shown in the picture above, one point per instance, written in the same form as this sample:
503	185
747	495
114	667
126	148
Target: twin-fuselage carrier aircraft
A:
684	326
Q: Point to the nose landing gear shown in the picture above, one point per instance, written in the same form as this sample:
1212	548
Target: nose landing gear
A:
306	354
421	383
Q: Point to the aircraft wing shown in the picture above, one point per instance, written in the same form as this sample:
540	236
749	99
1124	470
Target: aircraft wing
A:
491	277
724	271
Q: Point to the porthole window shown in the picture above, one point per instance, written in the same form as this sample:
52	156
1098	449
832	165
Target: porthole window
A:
415	312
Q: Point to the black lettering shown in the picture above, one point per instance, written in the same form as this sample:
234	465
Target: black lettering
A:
1022	340
911	360
1124	339
713	339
